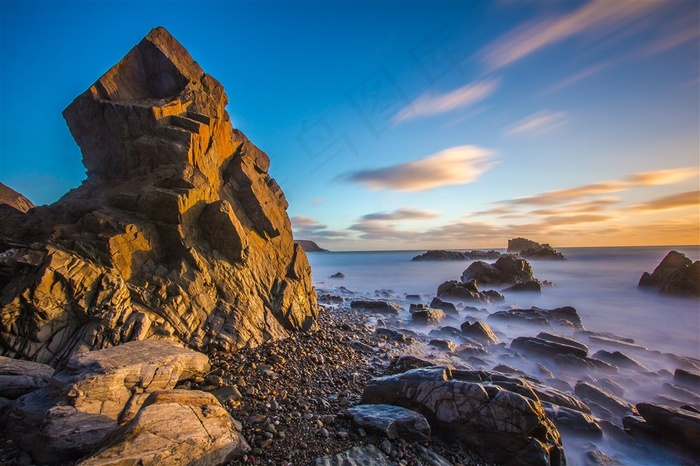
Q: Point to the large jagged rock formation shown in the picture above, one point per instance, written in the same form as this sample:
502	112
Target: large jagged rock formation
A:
177	233
12	198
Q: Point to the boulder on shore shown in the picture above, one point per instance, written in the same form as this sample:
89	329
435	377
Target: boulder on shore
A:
178	232
155	436
675	275
502	426
95	392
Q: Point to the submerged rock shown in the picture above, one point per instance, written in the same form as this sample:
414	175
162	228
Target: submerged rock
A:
428	316
383	307
507	269
177	233
479	331
565	317
469	291
680	427
544	348
675	275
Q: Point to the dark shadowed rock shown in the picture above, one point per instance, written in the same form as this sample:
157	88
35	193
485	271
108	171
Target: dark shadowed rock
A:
309	246
407	362
533	250
544	348
687	377
428	316
479	331
441	255
564	340
616	405
675	275
392	422
565	317
531	286
382	307
447	345
500	425
507	269
448	308
468	291
619	359
356	456
676	426
19	377
338	275
177	233
12	198
155	436
567	419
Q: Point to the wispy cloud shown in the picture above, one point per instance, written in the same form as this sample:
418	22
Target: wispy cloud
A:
309	228
674	201
405	213
576	77
433	104
454	166
316	201
538	123
682	30
663	177
600	16
654	178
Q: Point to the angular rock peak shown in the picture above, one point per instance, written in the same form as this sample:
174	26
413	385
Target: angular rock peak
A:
12	198
178	232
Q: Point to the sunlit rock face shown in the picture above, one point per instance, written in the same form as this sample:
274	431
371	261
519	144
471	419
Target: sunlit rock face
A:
177	233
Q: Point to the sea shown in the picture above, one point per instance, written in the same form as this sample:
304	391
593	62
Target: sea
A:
600	283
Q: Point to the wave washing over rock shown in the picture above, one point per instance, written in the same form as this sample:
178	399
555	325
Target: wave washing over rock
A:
178	232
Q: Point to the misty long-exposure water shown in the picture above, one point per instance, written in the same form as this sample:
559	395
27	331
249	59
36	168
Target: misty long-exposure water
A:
601	283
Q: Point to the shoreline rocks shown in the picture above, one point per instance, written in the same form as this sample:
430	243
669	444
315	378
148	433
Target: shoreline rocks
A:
508	269
675	275
500	425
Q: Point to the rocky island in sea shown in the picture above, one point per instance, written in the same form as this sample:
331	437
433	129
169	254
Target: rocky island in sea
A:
165	299
309	246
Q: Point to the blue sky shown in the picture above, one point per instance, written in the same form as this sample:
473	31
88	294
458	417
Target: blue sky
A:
406	125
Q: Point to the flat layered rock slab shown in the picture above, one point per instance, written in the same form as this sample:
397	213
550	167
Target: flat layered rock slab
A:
94	393
18	377
356	456
392	422
174	427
